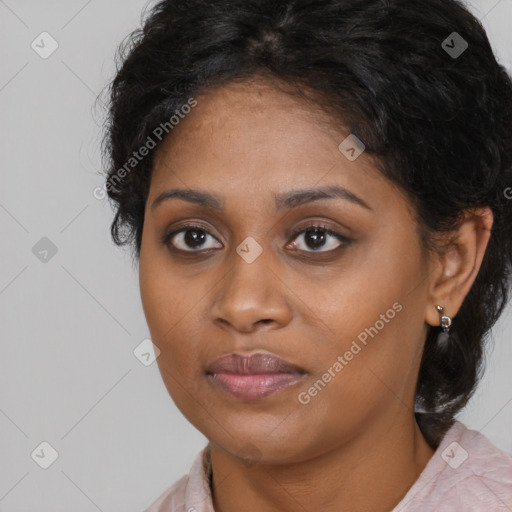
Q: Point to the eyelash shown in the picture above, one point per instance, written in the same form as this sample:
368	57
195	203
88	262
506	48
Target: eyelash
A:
166	239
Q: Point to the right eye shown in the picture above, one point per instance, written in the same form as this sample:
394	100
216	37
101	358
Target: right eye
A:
191	238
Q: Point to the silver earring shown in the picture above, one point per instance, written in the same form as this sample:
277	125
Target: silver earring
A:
446	322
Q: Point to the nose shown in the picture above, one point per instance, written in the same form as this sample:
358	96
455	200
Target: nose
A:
251	297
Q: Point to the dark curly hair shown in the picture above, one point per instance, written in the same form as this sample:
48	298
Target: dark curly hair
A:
437	123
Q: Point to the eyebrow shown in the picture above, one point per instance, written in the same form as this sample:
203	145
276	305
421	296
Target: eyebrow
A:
298	197
285	200
192	196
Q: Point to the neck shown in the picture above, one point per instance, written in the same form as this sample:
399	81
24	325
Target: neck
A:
386	459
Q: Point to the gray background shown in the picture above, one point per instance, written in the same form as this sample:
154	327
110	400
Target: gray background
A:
70	324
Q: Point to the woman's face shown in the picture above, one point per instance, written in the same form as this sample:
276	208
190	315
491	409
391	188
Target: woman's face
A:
246	272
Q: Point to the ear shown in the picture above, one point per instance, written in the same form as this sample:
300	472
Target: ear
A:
455	267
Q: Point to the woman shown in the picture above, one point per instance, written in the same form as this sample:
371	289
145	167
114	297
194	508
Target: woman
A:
318	197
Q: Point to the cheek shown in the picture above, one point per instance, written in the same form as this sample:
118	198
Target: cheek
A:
360	381
165	299
376	312
169	315
170	306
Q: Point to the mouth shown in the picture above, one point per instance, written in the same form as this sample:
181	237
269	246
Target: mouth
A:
253	377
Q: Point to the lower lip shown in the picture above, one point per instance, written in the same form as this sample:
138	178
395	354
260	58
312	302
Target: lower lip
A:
253	387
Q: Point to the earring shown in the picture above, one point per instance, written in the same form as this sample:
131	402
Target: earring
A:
446	322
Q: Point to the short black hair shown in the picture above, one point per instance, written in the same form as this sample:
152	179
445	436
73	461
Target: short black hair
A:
415	80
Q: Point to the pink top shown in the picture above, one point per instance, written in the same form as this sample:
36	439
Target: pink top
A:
467	473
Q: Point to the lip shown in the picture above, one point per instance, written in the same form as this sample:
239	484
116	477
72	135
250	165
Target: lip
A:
253	377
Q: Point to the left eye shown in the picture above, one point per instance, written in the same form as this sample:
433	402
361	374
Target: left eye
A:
315	238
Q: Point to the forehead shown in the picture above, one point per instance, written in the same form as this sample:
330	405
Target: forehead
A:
251	124
253	139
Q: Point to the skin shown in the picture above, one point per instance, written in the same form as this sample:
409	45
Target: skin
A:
245	143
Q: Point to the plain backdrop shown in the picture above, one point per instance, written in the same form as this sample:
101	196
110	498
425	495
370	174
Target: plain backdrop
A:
71	315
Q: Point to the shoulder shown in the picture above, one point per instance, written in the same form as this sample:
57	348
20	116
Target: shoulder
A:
172	499
487	478
191	493
467	472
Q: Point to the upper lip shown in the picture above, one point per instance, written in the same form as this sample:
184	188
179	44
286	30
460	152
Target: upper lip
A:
259	363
